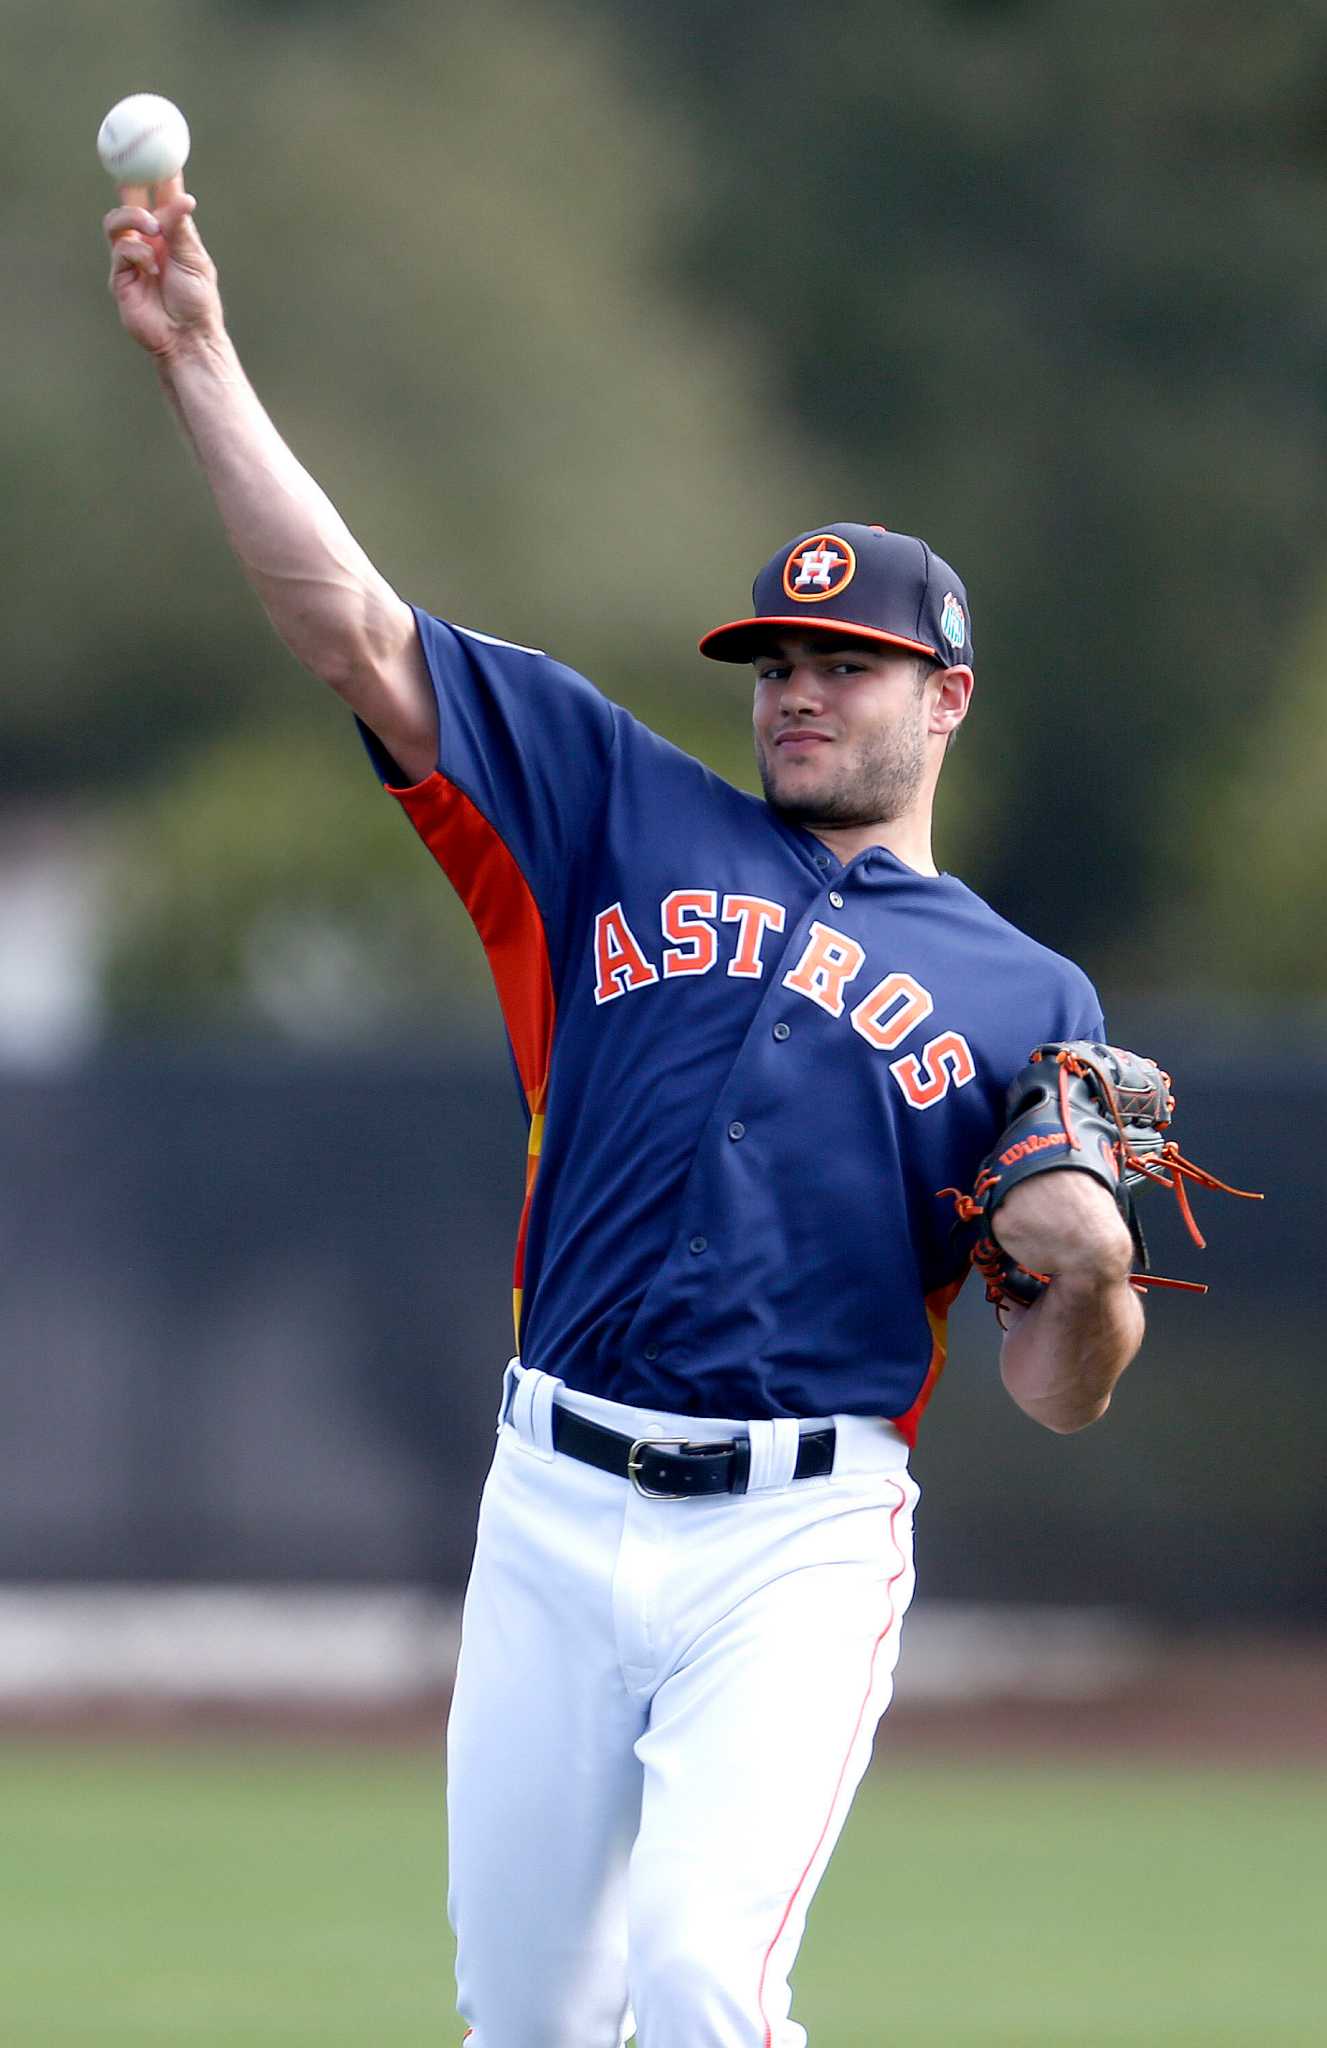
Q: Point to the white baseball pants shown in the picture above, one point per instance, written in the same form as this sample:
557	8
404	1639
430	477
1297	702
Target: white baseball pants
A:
662	1711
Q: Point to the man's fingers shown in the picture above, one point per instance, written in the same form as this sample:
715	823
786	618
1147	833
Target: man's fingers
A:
182	237
131	254
122	219
170	218
159	267
176	214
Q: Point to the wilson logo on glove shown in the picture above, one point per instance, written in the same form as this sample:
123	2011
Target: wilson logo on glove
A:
1028	1145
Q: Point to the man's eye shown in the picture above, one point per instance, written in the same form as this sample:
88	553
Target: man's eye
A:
772	675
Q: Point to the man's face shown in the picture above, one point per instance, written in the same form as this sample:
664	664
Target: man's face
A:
840	729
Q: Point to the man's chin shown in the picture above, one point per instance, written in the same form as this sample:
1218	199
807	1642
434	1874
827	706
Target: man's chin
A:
801	808
800	803
795	796
827	811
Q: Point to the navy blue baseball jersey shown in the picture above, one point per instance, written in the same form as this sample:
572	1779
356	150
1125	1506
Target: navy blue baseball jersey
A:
748	1068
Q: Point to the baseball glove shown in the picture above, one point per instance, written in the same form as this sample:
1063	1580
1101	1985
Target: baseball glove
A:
1096	1109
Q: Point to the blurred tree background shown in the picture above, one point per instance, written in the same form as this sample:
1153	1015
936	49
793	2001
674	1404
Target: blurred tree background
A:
577	311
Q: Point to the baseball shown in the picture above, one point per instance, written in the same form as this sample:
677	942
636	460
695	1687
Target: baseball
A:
143	139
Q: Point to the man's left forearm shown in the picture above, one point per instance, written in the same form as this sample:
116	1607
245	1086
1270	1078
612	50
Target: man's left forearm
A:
1062	1357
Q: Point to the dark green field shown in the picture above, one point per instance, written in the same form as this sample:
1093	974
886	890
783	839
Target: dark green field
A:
282	1898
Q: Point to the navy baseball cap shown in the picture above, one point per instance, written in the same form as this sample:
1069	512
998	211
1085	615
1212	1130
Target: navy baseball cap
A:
861	581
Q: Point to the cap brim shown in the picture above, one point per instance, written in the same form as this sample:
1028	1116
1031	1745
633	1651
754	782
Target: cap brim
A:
743	638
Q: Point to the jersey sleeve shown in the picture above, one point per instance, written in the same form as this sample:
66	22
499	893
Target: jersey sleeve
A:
511	814
1073	1008
1087	1020
525	751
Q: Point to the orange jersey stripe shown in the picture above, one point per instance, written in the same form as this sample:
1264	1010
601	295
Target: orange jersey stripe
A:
938	1304
484	874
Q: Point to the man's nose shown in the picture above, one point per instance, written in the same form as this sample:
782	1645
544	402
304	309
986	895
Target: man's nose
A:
803	688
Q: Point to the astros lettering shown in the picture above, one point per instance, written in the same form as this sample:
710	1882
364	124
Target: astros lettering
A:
830	961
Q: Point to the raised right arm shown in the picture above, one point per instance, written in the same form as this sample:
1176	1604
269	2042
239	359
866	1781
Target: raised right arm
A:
329	604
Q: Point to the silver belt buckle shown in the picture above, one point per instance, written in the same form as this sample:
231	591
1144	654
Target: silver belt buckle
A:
656	1443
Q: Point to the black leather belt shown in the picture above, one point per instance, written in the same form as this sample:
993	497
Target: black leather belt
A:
672	1467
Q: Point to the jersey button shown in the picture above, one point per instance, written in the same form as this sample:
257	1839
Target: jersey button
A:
736	1130
699	1244
651	1351
822	860
782	1031
836	899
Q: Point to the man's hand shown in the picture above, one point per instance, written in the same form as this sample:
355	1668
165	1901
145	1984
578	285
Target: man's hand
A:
1064	1223
162	279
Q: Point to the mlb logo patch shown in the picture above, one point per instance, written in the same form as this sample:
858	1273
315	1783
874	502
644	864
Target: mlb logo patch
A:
819	568
953	622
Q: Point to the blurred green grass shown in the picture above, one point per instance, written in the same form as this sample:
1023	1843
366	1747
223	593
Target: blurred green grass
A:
277	1897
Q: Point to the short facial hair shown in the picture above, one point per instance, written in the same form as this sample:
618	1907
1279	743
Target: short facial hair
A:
879	787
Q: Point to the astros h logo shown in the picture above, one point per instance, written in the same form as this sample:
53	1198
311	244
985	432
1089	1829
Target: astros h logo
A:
819	568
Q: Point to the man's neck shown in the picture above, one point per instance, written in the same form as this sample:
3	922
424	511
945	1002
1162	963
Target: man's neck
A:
908	839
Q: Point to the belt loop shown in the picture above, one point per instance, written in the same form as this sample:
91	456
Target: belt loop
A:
773	1453
510	1382
532	1409
741	1464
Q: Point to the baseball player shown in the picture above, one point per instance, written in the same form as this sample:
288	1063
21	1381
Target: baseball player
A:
755	1040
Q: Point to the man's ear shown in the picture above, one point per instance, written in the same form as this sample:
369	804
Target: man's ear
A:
951	694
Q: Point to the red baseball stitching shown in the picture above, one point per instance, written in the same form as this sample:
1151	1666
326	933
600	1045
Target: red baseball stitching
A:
136	141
